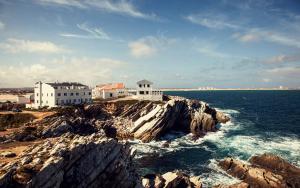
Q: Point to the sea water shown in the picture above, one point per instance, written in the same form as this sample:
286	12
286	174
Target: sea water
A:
261	122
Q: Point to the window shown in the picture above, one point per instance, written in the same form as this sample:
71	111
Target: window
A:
46	102
90	93
74	100
140	85
77	94
85	100
55	87
51	94
56	102
148	85
47	94
147	92
83	93
144	85
58	94
72	94
141	92
65	94
62	101
37	94
37	101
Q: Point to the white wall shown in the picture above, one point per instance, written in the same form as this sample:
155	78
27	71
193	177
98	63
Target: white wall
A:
46	95
148	93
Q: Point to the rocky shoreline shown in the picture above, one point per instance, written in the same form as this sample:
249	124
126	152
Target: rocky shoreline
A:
87	146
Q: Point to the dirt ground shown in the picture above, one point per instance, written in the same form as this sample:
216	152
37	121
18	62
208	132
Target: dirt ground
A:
38	115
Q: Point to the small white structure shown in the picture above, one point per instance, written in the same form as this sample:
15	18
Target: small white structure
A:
112	90
145	91
60	94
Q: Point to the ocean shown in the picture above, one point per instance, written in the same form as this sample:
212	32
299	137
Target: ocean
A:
261	122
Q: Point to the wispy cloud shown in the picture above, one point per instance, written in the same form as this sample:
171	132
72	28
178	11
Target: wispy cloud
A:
95	70
2	25
283	59
211	21
13	45
91	33
257	34
122	7
149	45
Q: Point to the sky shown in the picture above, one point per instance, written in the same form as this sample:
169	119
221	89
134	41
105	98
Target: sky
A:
175	44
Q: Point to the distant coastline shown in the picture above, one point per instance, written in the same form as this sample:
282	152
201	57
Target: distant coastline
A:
229	89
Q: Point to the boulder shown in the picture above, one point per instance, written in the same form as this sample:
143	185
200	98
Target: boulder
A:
266	170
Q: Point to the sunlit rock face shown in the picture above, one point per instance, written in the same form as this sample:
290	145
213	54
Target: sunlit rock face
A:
72	161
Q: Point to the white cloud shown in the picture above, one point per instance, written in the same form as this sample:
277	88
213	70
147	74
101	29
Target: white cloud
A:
211	21
259	34
141	49
2	25
92	33
266	80
13	45
89	71
123	7
148	46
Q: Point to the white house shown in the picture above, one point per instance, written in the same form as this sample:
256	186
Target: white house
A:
112	90
60	94
145	91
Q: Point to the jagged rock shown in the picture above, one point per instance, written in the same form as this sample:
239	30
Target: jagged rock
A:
72	161
144	120
177	114
264	171
174	179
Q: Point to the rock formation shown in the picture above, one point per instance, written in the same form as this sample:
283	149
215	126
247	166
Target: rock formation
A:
266	170
72	161
144	120
174	179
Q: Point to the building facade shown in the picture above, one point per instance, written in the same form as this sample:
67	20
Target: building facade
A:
145	91
107	91
60	94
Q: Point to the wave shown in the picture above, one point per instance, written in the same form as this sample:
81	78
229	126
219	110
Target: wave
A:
216	175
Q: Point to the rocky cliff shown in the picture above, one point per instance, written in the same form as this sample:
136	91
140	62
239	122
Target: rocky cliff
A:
72	161
264	171
144	120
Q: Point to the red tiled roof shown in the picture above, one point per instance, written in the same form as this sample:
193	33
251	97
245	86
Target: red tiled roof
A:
111	86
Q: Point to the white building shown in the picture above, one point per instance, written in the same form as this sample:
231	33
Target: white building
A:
112	90
60	94
145	91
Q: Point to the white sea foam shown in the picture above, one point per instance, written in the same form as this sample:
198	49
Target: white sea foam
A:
217	175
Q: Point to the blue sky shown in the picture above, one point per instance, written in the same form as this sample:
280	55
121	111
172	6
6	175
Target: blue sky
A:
223	44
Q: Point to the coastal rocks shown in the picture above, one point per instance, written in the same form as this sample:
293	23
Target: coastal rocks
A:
174	179
266	170
177	114
72	161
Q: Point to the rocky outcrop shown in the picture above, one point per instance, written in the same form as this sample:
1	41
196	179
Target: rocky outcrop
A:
72	161
264	171
174	179
177	114
144	120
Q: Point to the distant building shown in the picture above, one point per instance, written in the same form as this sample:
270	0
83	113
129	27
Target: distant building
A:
18	99
111	90
145	91
60	94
